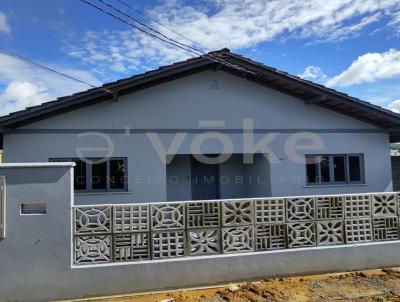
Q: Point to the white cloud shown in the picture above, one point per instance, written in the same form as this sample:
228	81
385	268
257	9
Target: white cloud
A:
353	30
237	23
369	68
313	73
395	22
395	106
231	23
27	86
4	26
19	95
123	52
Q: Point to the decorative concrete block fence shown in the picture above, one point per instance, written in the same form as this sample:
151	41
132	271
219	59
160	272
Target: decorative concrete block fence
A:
73	251
143	232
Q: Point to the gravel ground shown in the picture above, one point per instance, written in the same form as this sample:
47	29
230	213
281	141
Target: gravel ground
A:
377	286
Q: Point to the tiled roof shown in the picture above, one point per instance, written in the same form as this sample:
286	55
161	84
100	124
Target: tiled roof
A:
309	92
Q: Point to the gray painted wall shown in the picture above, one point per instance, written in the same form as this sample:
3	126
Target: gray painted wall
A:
35	256
36	250
259	177
228	170
239	180
181	104
179	186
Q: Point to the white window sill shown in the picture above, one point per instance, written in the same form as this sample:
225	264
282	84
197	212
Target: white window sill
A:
101	193
335	185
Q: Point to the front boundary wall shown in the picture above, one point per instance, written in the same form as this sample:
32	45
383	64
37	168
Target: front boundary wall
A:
71	252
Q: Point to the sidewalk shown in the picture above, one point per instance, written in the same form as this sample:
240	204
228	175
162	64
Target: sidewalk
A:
376	285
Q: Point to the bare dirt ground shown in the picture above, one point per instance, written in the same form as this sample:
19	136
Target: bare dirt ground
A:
369	286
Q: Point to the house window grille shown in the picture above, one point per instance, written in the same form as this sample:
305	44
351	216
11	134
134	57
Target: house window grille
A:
334	169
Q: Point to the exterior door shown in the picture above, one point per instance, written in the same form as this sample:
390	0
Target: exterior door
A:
205	180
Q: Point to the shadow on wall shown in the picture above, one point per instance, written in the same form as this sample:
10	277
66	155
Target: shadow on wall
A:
47	176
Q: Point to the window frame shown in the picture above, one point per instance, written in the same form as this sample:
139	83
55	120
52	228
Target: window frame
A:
362	168
89	175
332	181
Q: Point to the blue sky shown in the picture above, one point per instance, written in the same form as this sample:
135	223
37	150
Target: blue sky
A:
350	45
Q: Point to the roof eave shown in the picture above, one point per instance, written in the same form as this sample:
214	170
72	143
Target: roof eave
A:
311	93
100	94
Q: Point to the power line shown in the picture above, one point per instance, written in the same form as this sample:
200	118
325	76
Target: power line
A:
208	55
130	24
159	23
168	40
201	52
201	47
26	60
46	68
146	26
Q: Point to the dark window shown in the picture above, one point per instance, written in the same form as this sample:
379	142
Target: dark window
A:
325	174
355	168
80	175
334	169
311	170
94	174
117	173
339	168
99	176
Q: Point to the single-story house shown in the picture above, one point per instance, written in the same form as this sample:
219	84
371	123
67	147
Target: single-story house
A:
212	127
